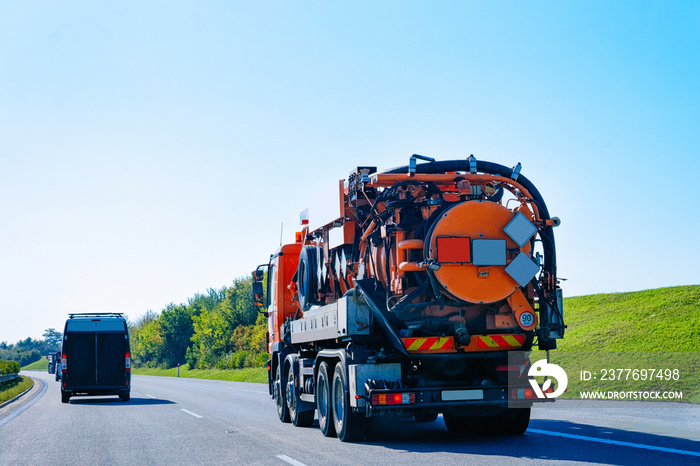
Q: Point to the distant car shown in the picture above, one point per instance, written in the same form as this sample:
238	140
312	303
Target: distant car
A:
52	362
57	365
96	356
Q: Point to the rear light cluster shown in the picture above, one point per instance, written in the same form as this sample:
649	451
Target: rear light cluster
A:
127	362
64	363
526	393
393	399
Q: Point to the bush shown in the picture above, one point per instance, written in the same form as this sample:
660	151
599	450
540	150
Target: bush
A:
261	359
9	367
243	358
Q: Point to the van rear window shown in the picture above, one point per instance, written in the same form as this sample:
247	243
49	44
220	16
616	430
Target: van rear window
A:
111	325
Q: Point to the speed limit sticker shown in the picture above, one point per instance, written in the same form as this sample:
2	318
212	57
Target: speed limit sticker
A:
527	319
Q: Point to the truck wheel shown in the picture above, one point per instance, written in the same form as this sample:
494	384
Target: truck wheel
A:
457	422
504	421
323	401
515	421
307	278
299	419
282	410
65	397
125	396
349	426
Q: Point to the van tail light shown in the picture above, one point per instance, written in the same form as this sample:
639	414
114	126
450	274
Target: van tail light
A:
64	363
127	361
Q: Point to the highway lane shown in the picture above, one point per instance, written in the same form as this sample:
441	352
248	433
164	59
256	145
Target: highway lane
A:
185	421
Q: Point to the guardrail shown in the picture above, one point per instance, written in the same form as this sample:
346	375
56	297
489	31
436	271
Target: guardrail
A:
8	377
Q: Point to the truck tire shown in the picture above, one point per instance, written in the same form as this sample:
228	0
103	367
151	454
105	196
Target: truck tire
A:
282	410
349	426
323	401
307	278
425	416
299	419
515	421
465	424
504	421
65	397
125	395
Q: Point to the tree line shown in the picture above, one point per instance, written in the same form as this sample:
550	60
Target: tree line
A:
217	329
30	350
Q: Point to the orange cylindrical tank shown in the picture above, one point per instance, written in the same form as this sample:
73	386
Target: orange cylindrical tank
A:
460	226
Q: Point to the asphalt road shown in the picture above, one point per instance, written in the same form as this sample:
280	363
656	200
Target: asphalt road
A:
194	421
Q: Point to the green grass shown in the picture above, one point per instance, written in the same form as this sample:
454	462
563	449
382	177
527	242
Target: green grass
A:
253	375
663	319
651	329
40	365
11	389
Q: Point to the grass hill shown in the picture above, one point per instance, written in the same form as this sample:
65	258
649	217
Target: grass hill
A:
40	365
663	319
655	330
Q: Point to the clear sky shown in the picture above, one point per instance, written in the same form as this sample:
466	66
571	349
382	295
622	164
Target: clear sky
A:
151	150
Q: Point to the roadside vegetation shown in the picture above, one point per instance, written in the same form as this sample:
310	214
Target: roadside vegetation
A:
40	365
662	319
650	329
29	350
9	367
218	330
249	374
15	387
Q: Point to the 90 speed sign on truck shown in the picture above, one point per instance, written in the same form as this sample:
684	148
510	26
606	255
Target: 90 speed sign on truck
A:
405	293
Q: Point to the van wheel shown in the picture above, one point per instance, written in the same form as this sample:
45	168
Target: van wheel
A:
125	396
349	426
65	397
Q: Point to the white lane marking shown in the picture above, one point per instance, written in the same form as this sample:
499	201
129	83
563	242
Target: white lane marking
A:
228	388
615	442
19	411
289	460
191	413
150	396
250	391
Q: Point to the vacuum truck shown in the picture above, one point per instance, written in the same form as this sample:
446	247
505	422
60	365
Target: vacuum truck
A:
415	291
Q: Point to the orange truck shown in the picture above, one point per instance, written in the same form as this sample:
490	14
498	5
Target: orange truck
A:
416	291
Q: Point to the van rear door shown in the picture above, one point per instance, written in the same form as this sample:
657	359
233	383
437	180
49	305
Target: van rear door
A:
80	348
111	348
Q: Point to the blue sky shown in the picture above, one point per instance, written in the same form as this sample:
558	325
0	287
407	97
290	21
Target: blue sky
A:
151	150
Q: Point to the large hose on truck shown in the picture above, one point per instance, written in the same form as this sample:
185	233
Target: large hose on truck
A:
506	172
547	233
